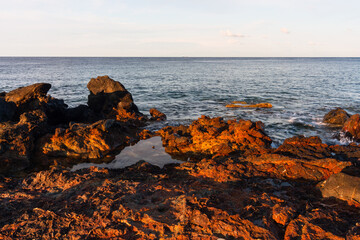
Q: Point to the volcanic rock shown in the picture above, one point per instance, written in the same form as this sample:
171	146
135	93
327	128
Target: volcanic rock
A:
352	127
214	136
240	104
156	115
17	141
27	94
88	141
107	95
336	116
7	110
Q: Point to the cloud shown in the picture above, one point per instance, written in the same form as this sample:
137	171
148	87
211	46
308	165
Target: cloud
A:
285	30
228	33
311	43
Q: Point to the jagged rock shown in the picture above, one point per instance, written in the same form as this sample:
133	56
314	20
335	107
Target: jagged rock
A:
17	141
304	148
343	185
352	127
215	136
336	116
88	141
156	115
7	110
81	114
27	94
107	95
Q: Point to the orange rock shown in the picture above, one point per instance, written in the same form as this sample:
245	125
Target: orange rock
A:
156	115
258	105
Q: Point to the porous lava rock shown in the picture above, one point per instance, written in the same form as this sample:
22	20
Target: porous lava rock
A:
214	136
336	116
156	115
352	127
88	141
110	99
27	94
7	110
17	140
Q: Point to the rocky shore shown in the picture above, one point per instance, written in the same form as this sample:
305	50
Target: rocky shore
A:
232	184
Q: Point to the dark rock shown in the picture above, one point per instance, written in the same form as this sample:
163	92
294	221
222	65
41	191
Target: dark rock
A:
7	110
17	141
27	94
336	116
342	186
88	141
304	148
352	127
81	114
156	115
107	95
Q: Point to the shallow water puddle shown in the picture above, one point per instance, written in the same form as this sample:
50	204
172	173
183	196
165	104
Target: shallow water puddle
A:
150	150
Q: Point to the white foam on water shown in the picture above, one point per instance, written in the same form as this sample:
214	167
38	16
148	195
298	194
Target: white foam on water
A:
150	150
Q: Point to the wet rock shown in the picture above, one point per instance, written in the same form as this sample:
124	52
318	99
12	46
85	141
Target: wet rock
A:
107	95
336	116
7	110
215	136
352	127
156	115
88	141
17	141
301	147
343	186
239	104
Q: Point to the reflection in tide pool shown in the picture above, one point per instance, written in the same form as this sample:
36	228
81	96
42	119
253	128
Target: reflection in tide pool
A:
150	150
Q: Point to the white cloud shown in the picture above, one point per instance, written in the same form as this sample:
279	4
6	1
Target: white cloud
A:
285	30
228	33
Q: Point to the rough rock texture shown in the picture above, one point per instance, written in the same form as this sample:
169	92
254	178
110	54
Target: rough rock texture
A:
352	126
156	115
336	116
343	186
17	141
215	136
107	95
146	202
88	141
27	94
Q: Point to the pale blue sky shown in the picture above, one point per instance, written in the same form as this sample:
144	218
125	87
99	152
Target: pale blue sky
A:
228	28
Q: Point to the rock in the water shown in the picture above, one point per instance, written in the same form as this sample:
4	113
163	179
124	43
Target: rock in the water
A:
352	127
240	104
215	136
88	141
17	141
81	114
336	116
156	115
7	110
342	186
26	94
107	96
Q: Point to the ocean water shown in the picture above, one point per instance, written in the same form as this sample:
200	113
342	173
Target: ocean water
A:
301	90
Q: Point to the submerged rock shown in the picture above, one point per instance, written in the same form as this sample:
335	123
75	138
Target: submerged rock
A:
17	141
352	127
240	104
336	116
215	136
88	141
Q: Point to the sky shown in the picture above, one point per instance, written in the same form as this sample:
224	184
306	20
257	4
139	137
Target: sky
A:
176	28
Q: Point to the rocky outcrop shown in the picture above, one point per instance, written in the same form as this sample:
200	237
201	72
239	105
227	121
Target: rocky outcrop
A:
88	141
156	115
17	141
110	98
25	95
336	116
352	127
240	104
214	136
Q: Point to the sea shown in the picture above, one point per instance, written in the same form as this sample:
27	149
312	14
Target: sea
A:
301	90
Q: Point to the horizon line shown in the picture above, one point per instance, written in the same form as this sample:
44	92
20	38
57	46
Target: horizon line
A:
164	57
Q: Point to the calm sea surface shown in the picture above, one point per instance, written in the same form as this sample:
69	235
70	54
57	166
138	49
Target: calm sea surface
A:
301	90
